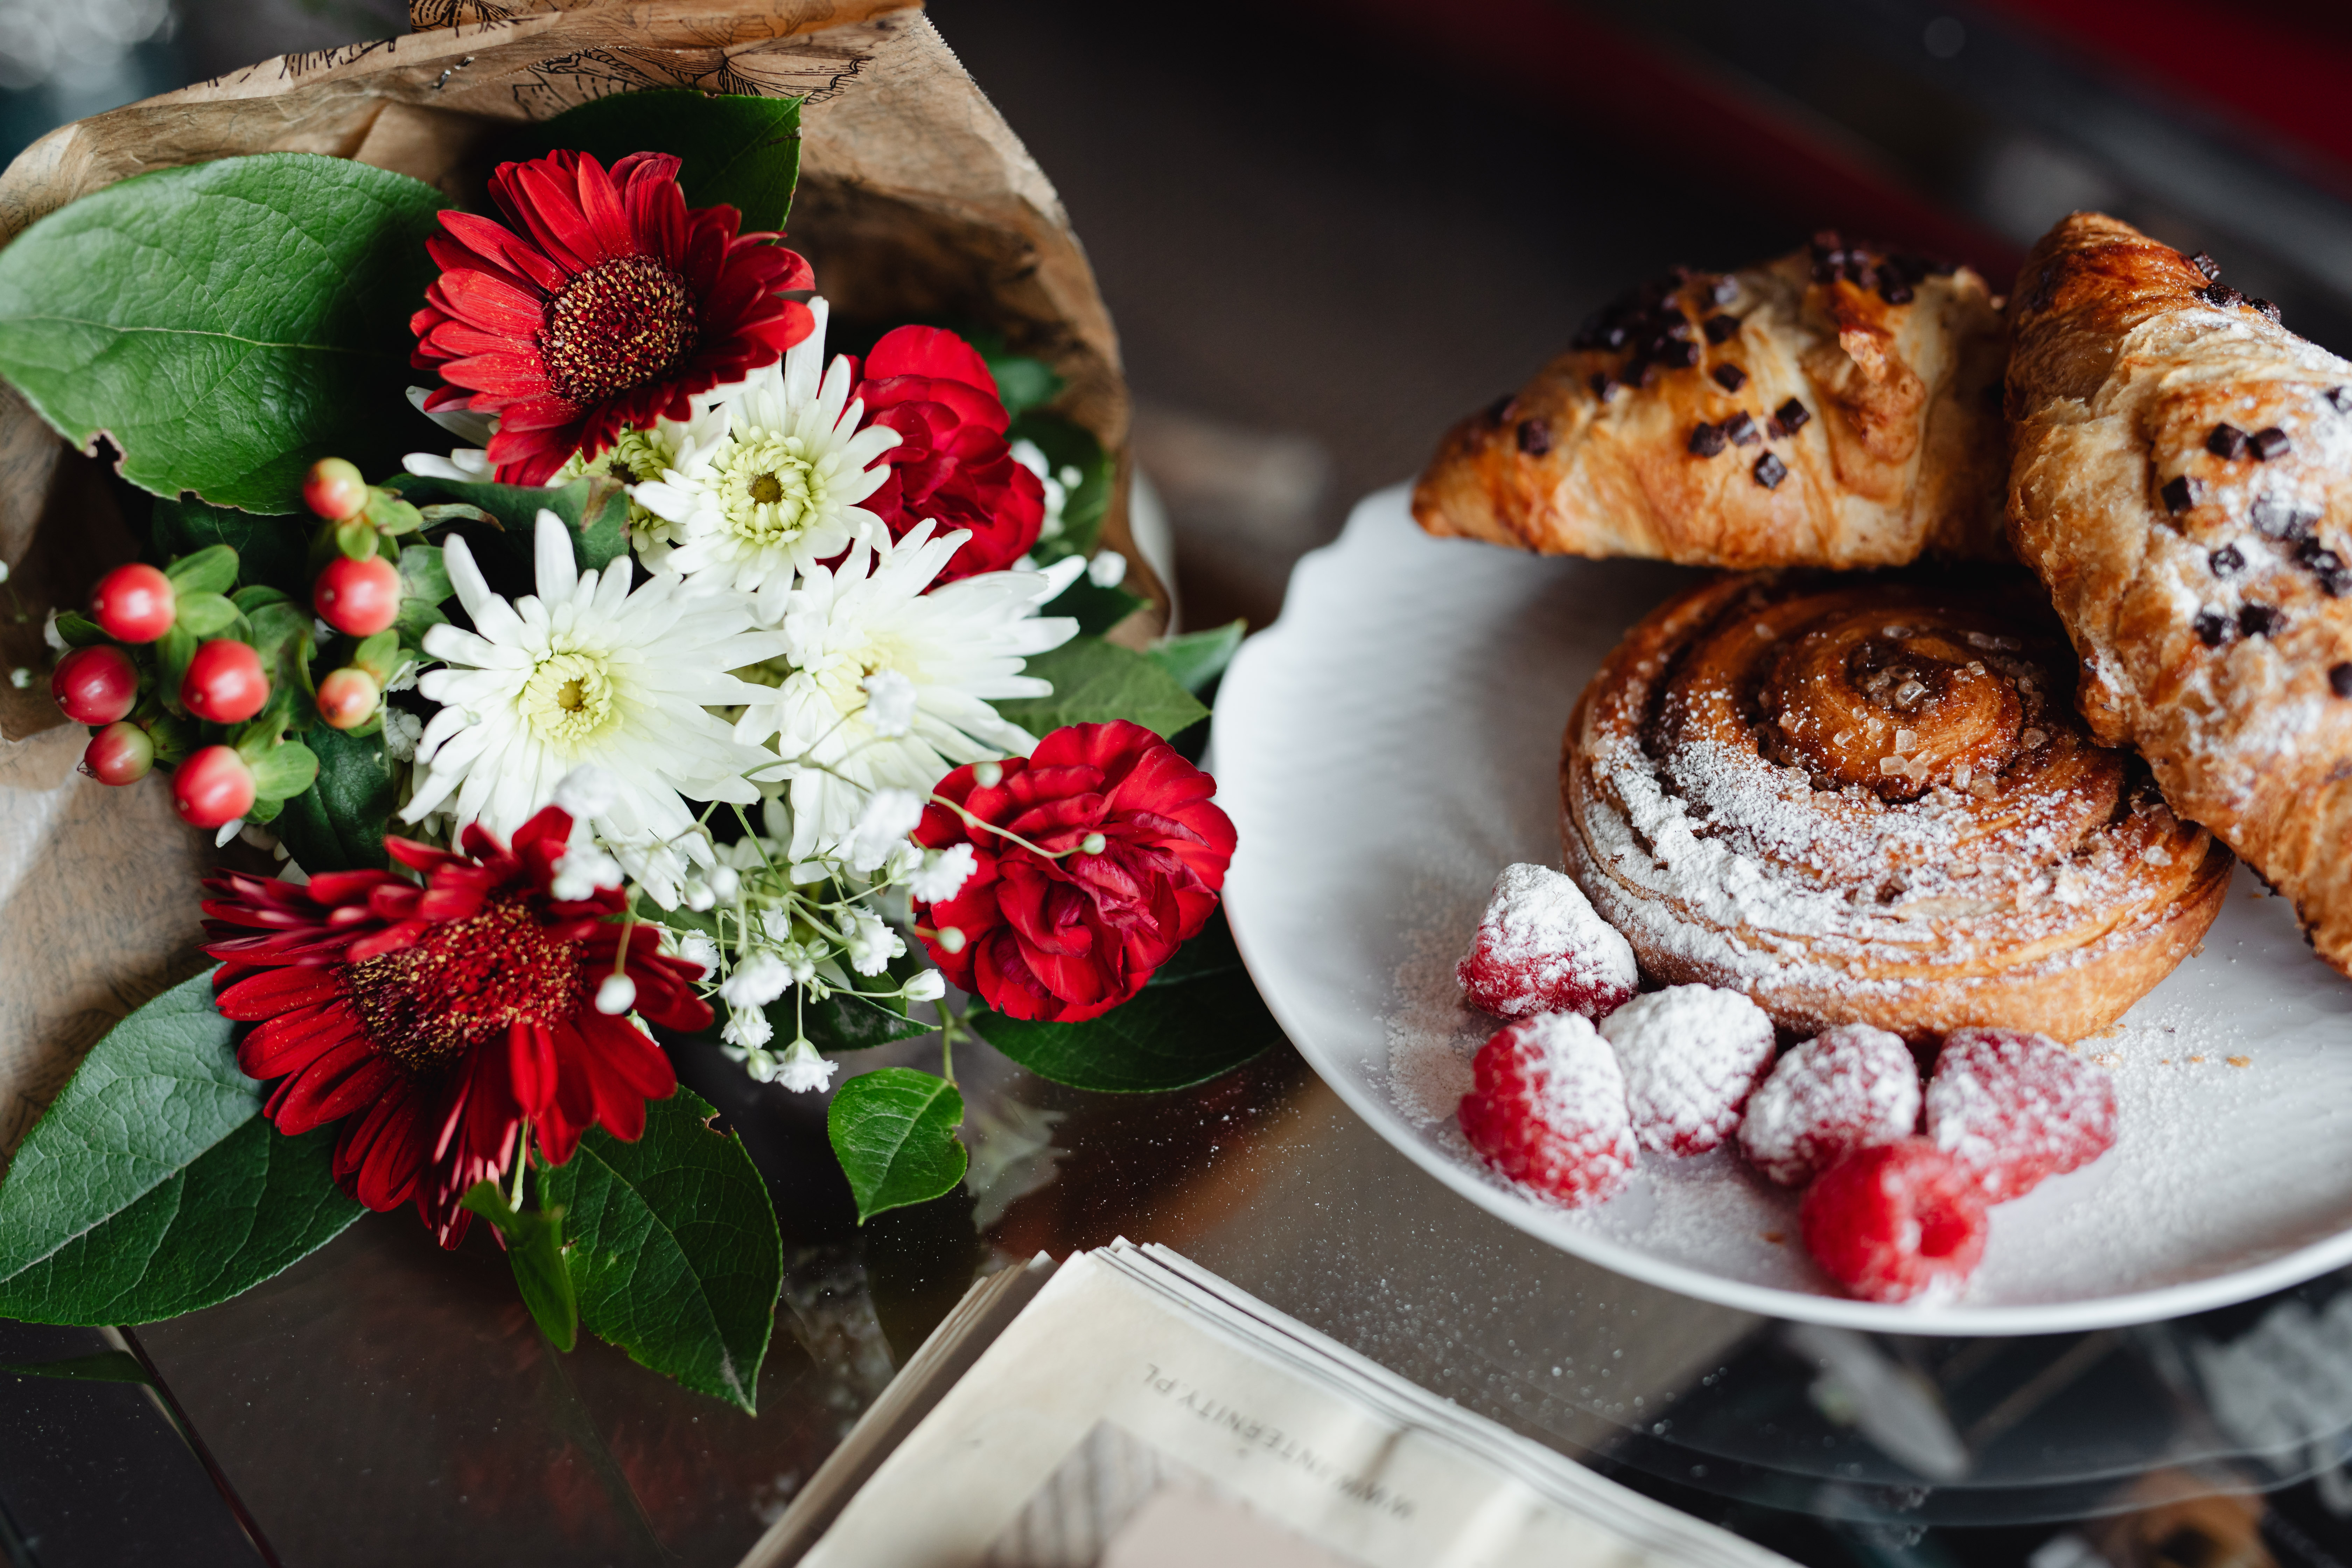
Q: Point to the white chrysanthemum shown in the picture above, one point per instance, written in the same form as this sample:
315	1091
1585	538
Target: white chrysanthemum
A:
778	491
960	648
586	671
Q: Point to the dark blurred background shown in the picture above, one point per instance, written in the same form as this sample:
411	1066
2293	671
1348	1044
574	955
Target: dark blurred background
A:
1329	227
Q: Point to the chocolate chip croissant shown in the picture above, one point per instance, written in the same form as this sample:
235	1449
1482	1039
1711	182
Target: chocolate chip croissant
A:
1835	407
2182	482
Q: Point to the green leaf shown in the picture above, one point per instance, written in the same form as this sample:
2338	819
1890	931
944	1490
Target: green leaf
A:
205	614
1022	382
211	570
270	549
1094	682
1197	659
226	324
106	1366
79	630
675	1251
337	824
592	507
284	772
1095	609
845	1023
1068	446
894	1131
1200	1018
152	1186
734	149
535	1253
422	575
174	649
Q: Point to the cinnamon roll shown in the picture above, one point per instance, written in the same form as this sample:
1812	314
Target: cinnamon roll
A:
1868	800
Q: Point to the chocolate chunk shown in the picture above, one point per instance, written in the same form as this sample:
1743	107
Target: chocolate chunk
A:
2282	520
1741	430
2226	441
1600	385
1729	377
1677	355
2338	399
2270	443
2226	561
1707	440
2212	627
1615	336
1894	291
2266	308
1774	430
1724	290
1679	328
2208	266
1791	415
2180	492
2319	560
2260	620
2338	584
1721	328
1770	470
2220	296
2339	680
1535	436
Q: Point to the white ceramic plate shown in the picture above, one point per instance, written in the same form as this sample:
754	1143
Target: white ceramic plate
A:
1392	742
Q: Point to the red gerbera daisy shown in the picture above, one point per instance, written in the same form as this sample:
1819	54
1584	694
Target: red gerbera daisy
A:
432	1020
616	309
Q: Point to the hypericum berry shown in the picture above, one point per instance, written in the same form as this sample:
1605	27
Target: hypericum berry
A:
361	597
1848	1088
1549	1110
119	755
1691	1055
1541	949
1895	1222
95	685
134	604
347	699
212	788
335	490
225	682
2013	1107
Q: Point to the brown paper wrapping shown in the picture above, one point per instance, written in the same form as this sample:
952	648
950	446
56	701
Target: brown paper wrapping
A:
916	200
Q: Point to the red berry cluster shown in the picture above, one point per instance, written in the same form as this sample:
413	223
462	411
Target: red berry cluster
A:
170	667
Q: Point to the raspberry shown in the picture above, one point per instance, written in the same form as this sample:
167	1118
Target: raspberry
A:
1540	949
1895	1222
2014	1107
1549	1110
1691	1055
1851	1088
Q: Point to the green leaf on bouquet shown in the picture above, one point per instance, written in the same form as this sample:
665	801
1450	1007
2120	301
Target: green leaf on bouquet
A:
1022	383
205	615
422	574
1199	1018
211	570
675	1251
736	149
1197	659
535	1253
268	549
226	324
845	1023
152	1186
1094	682
337	825
1095	609
1069	445
594	507
894	1131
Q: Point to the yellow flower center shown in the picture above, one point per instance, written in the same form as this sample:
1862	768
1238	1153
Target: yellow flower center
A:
569	697
768	490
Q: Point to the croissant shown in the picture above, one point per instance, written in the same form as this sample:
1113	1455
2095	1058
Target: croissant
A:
2182	482
1836	407
1868	800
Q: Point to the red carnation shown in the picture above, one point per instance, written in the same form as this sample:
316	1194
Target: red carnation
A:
617	309
1066	936
951	462
433	1020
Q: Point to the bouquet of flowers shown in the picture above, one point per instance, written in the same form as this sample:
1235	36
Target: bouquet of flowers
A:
699	681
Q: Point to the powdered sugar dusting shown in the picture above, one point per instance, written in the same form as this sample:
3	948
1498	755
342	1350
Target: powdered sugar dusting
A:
1549	1109
1692	1055
1852	1087
2014	1107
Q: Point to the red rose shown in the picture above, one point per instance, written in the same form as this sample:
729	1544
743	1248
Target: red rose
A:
951	462
1063	936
